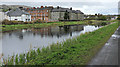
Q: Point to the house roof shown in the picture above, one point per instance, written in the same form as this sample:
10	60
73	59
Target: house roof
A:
78	11
60	9
17	12
39	8
64	10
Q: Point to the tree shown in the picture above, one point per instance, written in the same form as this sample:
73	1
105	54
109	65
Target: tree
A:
5	10
118	19
71	8
102	17
66	15
95	14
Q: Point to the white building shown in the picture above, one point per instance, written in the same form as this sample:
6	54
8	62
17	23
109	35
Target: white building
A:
18	15
1	16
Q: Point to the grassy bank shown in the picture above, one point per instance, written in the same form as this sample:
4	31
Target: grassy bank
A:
76	51
39	25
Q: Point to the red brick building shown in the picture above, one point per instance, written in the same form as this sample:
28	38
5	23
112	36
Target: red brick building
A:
42	13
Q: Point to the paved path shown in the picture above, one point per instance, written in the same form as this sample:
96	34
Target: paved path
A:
108	55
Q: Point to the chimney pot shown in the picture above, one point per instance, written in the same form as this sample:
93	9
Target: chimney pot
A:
33	7
41	6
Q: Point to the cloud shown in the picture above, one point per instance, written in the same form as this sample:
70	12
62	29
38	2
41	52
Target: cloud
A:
86	7
59	0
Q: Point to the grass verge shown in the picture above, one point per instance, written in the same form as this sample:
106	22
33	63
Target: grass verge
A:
40	25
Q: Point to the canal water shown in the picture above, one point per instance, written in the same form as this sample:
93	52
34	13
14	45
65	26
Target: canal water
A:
21	41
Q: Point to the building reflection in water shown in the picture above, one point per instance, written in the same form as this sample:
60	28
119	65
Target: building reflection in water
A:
21	36
57	31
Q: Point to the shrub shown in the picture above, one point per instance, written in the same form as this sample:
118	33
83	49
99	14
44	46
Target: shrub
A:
39	21
6	22
14	22
102	18
103	23
27	22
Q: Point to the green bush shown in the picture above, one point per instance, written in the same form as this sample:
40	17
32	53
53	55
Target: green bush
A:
39	21
103	23
6	22
28	22
102	18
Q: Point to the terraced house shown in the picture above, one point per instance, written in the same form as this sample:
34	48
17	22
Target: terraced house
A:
42	13
59	13
49	14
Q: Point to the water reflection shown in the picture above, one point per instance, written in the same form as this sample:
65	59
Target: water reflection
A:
19	41
57	31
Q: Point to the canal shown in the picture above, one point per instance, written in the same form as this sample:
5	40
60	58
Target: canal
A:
21	41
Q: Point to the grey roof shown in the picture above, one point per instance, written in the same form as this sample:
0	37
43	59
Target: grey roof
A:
78	11
60	9
73	11
38	8
64	10
17	12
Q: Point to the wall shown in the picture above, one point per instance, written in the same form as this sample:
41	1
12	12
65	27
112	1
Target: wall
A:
80	16
55	16
39	14
21	18
2	16
26	18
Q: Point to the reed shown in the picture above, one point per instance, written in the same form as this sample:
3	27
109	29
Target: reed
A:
76	51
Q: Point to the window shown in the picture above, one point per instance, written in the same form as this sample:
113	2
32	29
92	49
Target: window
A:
46	14
42	14
44	18
34	14
15	19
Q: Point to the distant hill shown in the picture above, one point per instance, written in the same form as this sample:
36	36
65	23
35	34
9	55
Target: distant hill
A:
12	6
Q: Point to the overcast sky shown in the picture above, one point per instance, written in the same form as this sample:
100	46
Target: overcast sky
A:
86	6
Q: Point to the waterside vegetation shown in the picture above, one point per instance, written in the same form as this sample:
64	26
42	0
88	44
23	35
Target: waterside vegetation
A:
15	26
76	51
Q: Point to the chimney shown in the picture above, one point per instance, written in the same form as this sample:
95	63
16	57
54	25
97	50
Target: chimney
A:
37	7
57	7
45	6
21	8
33	7
27	8
41	6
